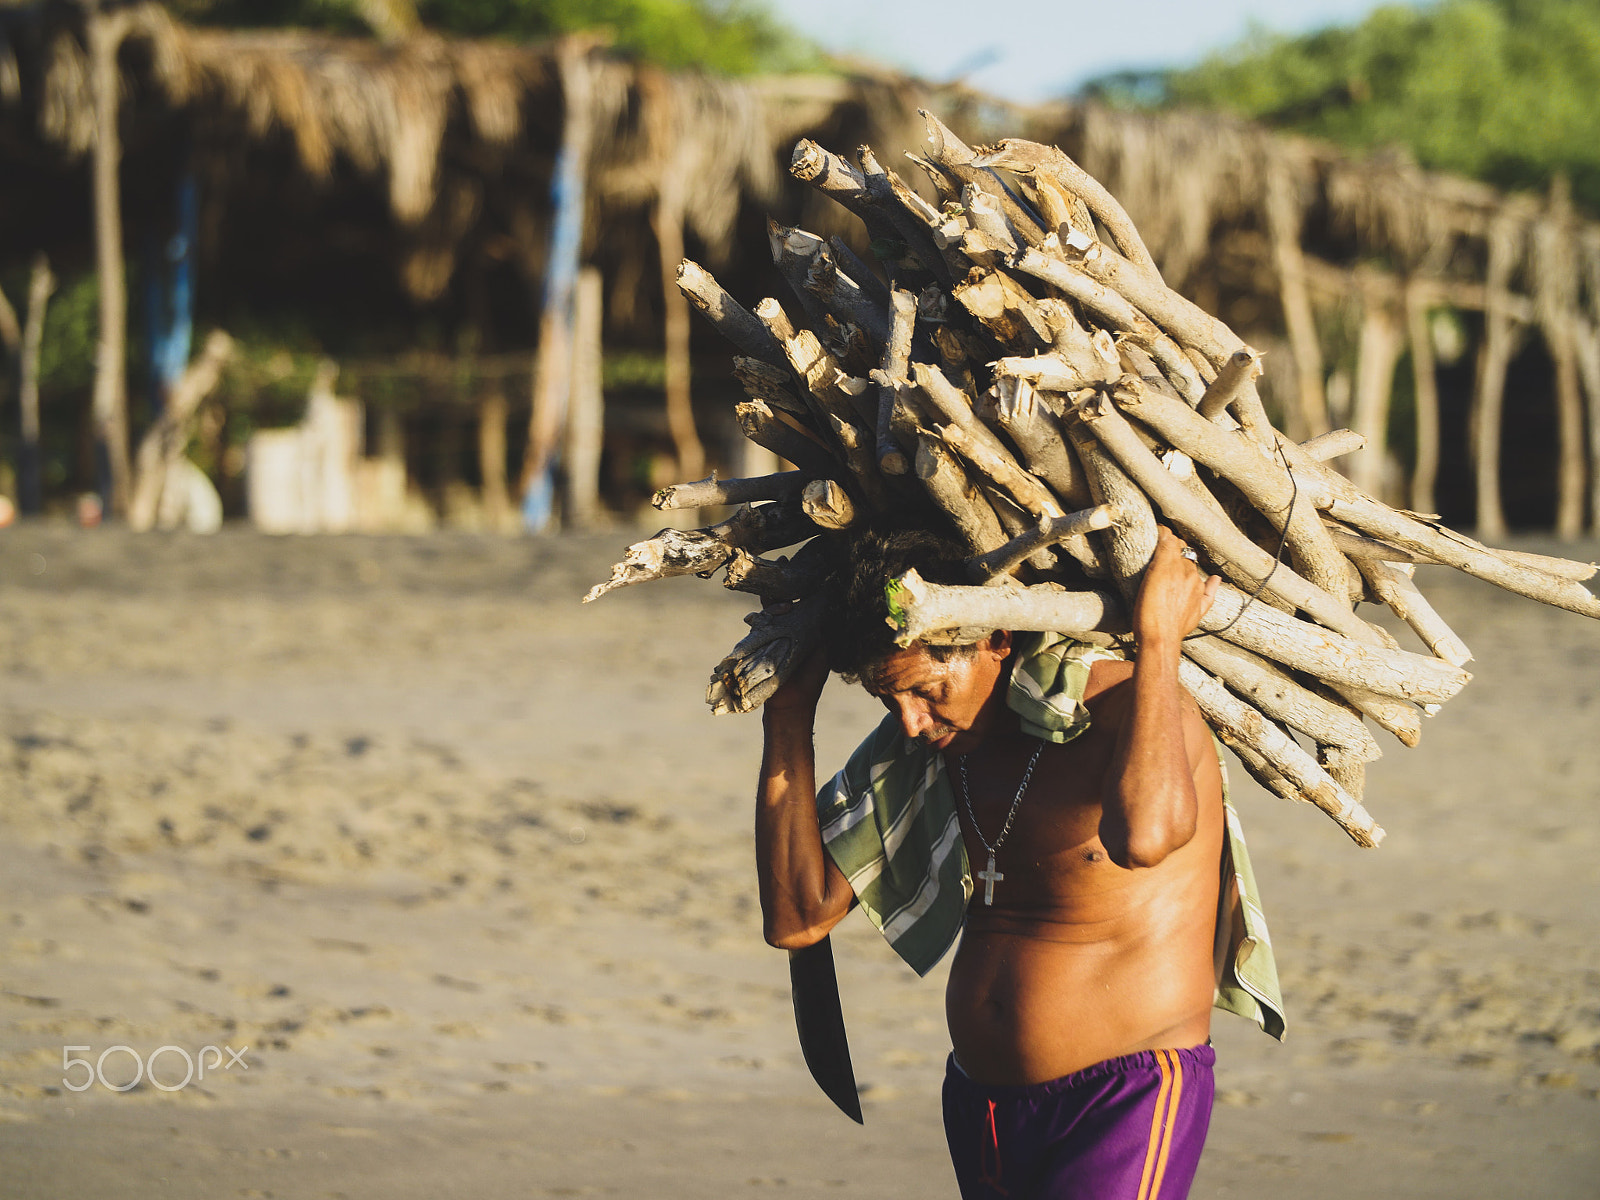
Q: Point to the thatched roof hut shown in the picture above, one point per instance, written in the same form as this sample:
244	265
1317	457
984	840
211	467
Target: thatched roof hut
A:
416	177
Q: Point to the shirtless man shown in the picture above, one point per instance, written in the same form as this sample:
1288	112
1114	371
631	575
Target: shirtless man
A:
1079	1001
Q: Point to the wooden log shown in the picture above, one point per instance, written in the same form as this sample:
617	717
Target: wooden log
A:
913	229
1031	158
756	528
1396	589
1561	568
1034	431
958	159
839	180
1050	372
1131	542
859	271
712	492
954	406
989	219
1237	723
1343	501
971	514
777	643
1334	444
1233	553
1241	368
808	264
1119	314
788	578
829	389
780	433
891	377
763	381
998	564
1265	483
1399	717
919	610
1005	309
1347	770
1326	655
1032	496
827	504
730	318
1281	698
1179	317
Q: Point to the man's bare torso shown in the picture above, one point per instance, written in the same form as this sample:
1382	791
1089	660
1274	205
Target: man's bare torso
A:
1080	960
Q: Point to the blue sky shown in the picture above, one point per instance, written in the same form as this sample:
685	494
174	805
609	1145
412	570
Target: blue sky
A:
1029	50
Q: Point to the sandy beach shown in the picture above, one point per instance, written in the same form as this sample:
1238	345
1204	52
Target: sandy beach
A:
463	871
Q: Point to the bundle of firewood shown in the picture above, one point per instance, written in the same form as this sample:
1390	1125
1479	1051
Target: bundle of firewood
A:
1044	395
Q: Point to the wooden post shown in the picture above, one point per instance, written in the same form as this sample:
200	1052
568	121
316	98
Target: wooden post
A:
586	408
1488	401
1587	340
104	33
667	220
30	488
1556	302
492	456
1283	228
1425	472
1379	351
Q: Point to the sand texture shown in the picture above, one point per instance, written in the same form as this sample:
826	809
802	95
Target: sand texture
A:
466	866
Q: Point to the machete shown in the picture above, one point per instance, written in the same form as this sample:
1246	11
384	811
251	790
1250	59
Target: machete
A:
819	1019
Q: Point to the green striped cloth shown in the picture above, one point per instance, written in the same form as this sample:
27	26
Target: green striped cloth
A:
889	821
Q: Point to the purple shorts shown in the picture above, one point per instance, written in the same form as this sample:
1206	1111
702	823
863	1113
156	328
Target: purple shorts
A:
1129	1128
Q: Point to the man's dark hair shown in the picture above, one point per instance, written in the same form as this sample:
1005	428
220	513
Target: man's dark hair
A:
856	635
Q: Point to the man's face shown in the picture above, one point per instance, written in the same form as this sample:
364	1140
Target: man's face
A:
948	705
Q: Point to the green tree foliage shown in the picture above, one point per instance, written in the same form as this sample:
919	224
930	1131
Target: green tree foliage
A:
1503	90
725	36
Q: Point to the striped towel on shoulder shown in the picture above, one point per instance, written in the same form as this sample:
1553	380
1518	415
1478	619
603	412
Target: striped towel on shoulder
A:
889	821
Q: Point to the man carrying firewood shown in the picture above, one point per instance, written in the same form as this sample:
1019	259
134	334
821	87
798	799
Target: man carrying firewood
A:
1087	789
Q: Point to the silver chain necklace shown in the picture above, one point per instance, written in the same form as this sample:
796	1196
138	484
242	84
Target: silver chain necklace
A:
990	876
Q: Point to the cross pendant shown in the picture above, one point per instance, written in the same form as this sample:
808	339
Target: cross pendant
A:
990	877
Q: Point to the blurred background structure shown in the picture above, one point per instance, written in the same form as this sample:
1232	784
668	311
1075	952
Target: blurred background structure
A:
441	241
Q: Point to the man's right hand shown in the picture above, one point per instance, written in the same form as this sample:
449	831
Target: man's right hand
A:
800	693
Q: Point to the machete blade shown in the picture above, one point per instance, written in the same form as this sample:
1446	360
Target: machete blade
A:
819	1019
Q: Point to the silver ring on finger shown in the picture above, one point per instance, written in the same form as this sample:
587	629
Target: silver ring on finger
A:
1189	553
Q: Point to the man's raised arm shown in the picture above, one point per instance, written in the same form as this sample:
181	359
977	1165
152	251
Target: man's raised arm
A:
1150	807
803	894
